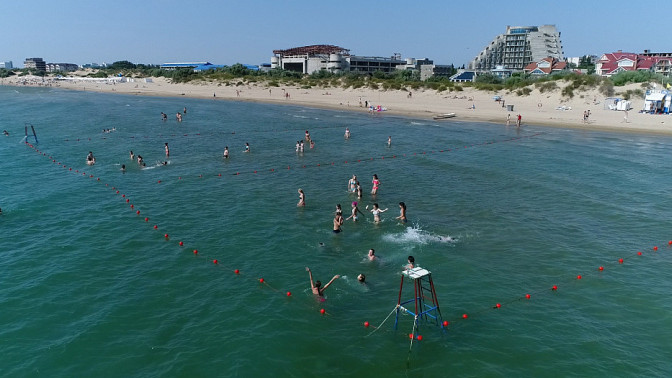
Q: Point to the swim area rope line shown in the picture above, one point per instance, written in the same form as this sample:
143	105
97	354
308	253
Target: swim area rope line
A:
454	323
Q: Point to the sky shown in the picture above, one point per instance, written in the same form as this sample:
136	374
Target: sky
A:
228	32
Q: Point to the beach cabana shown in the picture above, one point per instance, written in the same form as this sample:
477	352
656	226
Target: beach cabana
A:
655	102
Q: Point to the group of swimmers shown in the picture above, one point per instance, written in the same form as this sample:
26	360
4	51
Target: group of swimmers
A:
107	131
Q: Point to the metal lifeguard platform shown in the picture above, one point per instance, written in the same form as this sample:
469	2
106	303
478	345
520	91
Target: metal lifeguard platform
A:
425	305
30	133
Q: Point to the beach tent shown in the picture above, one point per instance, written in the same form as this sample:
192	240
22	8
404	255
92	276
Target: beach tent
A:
654	101
623	105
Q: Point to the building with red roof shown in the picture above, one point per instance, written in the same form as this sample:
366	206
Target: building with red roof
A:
545	66
612	63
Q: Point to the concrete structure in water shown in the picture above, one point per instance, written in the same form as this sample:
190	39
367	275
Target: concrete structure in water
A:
314	58
518	47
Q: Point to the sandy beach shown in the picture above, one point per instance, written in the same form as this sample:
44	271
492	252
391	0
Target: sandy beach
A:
545	109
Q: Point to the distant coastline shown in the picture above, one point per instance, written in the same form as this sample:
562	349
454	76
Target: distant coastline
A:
543	109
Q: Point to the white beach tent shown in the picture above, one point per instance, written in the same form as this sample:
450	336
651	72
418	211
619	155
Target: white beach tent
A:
654	100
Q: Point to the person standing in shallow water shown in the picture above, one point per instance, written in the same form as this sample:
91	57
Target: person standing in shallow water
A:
402	212
376	183
302	198
338	222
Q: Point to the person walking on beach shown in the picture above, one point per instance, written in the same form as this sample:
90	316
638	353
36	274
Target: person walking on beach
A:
316	287
302	198
625	117
355	211
167	150
376	183
402	212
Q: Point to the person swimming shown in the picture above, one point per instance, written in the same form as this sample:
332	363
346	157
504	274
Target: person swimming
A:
90	160
123	168
411	263
226	152
167	149
316	287
247	147
361	278
132	155
372	255
347	133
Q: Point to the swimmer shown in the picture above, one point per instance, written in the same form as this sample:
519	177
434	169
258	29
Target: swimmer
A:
347	133
167	149
359	191
301	146
185	110
312	144
247	147
0	211
376	212
372	254
226	152
178	117
132	156
163	116
338	209
361	278
389	141
411	263
402	212
376	183
338	222
355	210
5	132
298	146
307	136
302	198
123	168
352	184
90	160
140	160
164	163
317	286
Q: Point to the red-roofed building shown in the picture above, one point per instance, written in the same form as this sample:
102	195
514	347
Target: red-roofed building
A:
545	66
612	63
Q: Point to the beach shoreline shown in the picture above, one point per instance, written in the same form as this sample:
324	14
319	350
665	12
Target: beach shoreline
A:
548	109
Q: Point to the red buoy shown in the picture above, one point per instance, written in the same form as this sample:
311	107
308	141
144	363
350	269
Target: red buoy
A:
445	323
195	251
655	248
366	324
123	195
138	212
322	311
236	271
289	293
410	336
639	253
165	236
555	287
620	261
498	305
578	277
181	244
128	200
156	227
419	337
261	280
146	219
131	205
214	262
528	296
464	316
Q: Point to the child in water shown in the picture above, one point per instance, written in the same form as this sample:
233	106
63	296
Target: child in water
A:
317	286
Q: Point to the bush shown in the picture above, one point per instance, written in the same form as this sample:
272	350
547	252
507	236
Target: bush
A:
548	86
568	91
524	91
623	78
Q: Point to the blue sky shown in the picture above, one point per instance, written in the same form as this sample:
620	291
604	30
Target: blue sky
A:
226	32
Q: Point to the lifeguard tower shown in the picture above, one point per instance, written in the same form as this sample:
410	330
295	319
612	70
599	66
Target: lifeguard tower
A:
424	306
30	134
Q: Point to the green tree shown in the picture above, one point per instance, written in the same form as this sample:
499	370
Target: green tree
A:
122	65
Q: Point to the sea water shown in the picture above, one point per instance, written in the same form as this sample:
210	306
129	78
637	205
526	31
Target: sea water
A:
89	288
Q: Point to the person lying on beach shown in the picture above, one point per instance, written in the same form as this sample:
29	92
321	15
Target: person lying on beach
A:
316	287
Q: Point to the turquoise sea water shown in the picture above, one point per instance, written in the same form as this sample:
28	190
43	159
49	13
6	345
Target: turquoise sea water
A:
88	288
